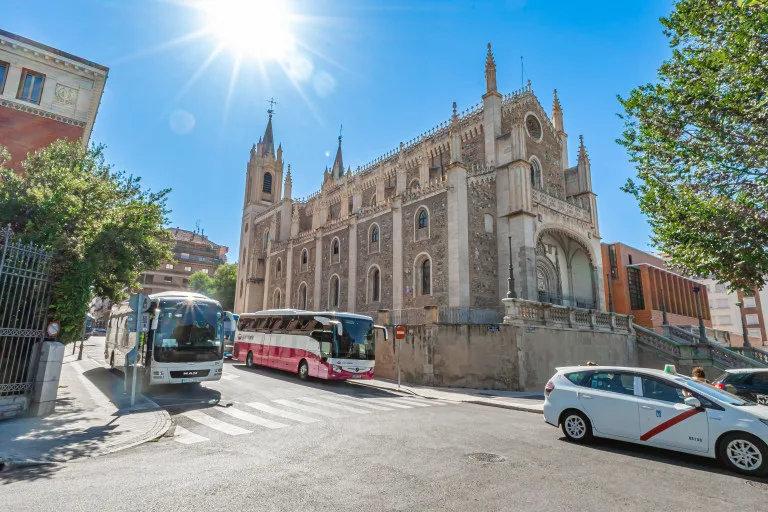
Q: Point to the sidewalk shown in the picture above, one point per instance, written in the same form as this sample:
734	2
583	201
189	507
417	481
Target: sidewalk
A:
515	400
92	417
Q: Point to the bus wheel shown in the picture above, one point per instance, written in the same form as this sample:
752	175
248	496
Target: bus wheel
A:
249	360
303	370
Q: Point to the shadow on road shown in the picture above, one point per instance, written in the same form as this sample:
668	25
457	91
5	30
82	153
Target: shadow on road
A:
672	458
177	398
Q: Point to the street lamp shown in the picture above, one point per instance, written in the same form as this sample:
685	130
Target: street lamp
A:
610	292
743	324
664	319
702	329
511	278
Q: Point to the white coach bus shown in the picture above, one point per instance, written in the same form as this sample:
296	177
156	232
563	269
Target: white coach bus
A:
326	345
184	343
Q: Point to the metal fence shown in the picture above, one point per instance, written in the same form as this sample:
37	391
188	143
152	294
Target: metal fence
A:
473	316
25	278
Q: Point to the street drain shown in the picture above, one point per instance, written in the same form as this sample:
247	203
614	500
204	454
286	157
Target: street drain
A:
486	457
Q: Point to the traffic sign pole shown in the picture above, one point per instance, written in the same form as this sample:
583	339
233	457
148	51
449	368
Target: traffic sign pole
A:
135	361
399	335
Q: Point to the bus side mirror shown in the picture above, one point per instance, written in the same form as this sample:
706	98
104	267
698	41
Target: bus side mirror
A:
381	327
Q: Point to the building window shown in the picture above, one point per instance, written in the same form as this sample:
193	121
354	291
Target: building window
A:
721	303
276	299
184	256
720	288
723	320
335	251
629	258
754	333
749	302
169	266
613	262
334	292
185	281
373	239
279	268
188	269
535	173
168	279
302	297
267	186
266	240
415	186
374	284
422	224
205	271
752	319
422	273
636	299
533	126
304	260
31	86
4	66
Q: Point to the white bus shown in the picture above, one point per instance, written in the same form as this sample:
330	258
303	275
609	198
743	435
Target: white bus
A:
326	345
184	343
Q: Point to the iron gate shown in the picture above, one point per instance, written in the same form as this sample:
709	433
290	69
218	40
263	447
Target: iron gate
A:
25	276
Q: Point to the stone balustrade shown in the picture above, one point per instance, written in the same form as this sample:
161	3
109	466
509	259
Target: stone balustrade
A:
530	313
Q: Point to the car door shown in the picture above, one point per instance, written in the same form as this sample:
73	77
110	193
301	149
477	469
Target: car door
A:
666	421
610	402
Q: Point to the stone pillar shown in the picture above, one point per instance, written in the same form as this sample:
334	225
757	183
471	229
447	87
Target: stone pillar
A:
491	125
352	281
47	378
318	270
424	169
397	254
401	176
288	269
458	241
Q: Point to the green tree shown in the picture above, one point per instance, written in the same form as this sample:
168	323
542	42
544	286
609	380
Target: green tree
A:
224	283
201	282
105	230
699	140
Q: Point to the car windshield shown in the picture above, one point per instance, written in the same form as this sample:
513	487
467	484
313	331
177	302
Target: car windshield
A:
357	342
719	394
188	331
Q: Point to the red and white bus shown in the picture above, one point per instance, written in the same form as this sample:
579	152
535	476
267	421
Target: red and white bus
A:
326	345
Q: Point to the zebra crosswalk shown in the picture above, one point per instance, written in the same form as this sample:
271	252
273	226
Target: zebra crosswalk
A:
201	425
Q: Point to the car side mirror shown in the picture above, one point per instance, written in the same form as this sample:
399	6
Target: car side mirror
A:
692	401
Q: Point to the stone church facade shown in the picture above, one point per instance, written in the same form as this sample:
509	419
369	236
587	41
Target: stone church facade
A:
436	222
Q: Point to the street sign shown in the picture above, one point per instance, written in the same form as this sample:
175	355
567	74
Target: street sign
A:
53	329
400	332
139	303
132	322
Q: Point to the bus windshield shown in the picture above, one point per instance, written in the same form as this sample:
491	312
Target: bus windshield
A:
357	342
187	332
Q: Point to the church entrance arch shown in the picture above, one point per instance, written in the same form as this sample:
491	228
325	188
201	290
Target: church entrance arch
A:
566	270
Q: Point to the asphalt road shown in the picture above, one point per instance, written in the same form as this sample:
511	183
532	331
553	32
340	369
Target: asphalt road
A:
412	457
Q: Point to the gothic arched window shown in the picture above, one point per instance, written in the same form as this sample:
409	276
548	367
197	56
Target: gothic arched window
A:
335	251
535	174
423	219
266	240
267	185
374	284
334	292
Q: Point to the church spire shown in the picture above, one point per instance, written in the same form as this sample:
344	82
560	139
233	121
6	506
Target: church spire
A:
557	114
338	164
287	188
490	72
268	144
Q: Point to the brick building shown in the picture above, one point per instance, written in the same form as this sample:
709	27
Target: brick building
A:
637	283
728	316
45	94
193	252
437	221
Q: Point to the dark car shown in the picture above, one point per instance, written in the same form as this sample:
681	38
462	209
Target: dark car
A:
751	383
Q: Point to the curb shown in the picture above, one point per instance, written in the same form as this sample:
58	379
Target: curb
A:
513	407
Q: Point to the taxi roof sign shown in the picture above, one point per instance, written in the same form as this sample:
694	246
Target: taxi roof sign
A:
670	368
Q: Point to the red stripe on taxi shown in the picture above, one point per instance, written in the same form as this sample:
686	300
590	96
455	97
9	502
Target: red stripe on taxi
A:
669	423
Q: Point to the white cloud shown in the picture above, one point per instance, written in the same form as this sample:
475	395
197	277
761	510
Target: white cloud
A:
182	122
324	84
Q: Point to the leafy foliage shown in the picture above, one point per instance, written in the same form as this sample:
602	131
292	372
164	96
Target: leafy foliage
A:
104	229
699	140
201	282
221	286
224	284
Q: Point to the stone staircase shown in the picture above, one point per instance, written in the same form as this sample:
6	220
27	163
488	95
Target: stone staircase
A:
684	348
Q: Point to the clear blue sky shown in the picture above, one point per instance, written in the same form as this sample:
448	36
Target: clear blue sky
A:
385	70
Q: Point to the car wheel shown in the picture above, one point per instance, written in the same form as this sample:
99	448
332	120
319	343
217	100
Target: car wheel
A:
249	360
744	453
303	370
576	426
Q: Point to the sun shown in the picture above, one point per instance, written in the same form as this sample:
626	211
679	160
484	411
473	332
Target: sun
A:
260	29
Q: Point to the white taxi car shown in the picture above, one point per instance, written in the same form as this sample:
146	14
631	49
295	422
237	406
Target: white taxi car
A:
659	408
